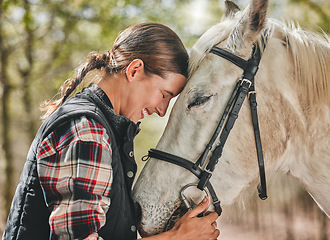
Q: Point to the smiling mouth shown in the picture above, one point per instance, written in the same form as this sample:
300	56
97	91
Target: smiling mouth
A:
144	113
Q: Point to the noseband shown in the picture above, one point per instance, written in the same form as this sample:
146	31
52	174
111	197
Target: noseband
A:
244	86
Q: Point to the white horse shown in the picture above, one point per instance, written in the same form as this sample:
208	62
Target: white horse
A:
293	93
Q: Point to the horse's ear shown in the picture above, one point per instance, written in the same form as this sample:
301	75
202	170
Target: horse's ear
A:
250	25
230	9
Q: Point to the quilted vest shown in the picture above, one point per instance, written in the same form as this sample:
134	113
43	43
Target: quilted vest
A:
29	214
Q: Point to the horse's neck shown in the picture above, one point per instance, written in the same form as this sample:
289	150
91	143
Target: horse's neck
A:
299	122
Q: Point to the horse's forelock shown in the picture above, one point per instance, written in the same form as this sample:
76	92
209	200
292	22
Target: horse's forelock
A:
213	36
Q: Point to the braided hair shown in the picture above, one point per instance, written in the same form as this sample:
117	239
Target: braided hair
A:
95	61
156	45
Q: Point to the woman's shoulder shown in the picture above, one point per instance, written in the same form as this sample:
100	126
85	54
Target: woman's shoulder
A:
76	131
85	129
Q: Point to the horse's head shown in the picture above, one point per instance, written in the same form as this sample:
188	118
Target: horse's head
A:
199	107
195	116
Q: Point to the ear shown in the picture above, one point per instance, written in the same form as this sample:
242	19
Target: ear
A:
230	10
135	70
250	26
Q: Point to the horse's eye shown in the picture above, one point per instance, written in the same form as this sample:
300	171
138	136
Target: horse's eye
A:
199	101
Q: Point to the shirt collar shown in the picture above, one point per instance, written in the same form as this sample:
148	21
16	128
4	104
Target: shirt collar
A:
101	94
104	97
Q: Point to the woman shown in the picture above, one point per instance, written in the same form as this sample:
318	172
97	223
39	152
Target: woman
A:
77	179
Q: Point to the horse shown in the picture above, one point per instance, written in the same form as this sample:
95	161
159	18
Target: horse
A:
293	93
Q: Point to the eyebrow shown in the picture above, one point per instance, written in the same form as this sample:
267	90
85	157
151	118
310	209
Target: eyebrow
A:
172	94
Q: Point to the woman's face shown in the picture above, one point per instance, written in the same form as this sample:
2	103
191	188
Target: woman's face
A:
152	95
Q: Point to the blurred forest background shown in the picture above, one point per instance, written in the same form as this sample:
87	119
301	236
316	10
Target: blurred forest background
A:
43	41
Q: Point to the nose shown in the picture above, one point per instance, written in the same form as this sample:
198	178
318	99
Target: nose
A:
162	108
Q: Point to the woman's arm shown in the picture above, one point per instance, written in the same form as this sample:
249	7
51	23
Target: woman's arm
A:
74	168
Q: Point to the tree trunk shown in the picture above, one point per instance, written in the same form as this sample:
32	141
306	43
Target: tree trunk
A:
5	129
26	72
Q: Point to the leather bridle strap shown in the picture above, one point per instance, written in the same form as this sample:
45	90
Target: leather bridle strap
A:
202	158
167	157
250	68
253	105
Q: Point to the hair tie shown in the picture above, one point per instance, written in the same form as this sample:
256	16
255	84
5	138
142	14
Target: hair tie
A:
113	62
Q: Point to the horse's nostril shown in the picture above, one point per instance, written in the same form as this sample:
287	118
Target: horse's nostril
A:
138	211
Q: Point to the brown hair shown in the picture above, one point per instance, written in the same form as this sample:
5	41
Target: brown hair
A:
156	45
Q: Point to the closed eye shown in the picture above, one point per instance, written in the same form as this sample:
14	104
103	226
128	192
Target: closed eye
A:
199	101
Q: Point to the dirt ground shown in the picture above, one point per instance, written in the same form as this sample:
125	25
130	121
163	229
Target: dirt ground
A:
275	226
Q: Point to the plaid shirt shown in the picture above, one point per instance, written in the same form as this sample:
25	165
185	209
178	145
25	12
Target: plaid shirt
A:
75	173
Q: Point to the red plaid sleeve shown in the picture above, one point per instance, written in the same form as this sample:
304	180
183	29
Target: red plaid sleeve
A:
74	167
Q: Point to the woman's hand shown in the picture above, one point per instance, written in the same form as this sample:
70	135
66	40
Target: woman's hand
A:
192	227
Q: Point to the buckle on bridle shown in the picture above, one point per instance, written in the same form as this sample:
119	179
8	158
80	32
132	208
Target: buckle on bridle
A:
247	81
251	92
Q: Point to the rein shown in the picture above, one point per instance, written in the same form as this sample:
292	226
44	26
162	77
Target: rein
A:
244	87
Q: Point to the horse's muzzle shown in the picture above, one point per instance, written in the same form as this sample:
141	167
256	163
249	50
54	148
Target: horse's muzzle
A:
138	211
178	213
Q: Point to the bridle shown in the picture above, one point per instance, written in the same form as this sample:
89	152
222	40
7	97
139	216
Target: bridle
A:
244	87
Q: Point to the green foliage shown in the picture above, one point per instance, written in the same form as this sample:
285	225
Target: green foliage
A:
311	13
59	34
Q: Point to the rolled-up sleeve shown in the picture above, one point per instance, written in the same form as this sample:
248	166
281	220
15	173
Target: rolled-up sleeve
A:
75	173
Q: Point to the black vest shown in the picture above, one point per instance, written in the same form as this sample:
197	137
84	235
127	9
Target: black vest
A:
28	217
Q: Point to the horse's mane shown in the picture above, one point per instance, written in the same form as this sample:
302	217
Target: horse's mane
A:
310	53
